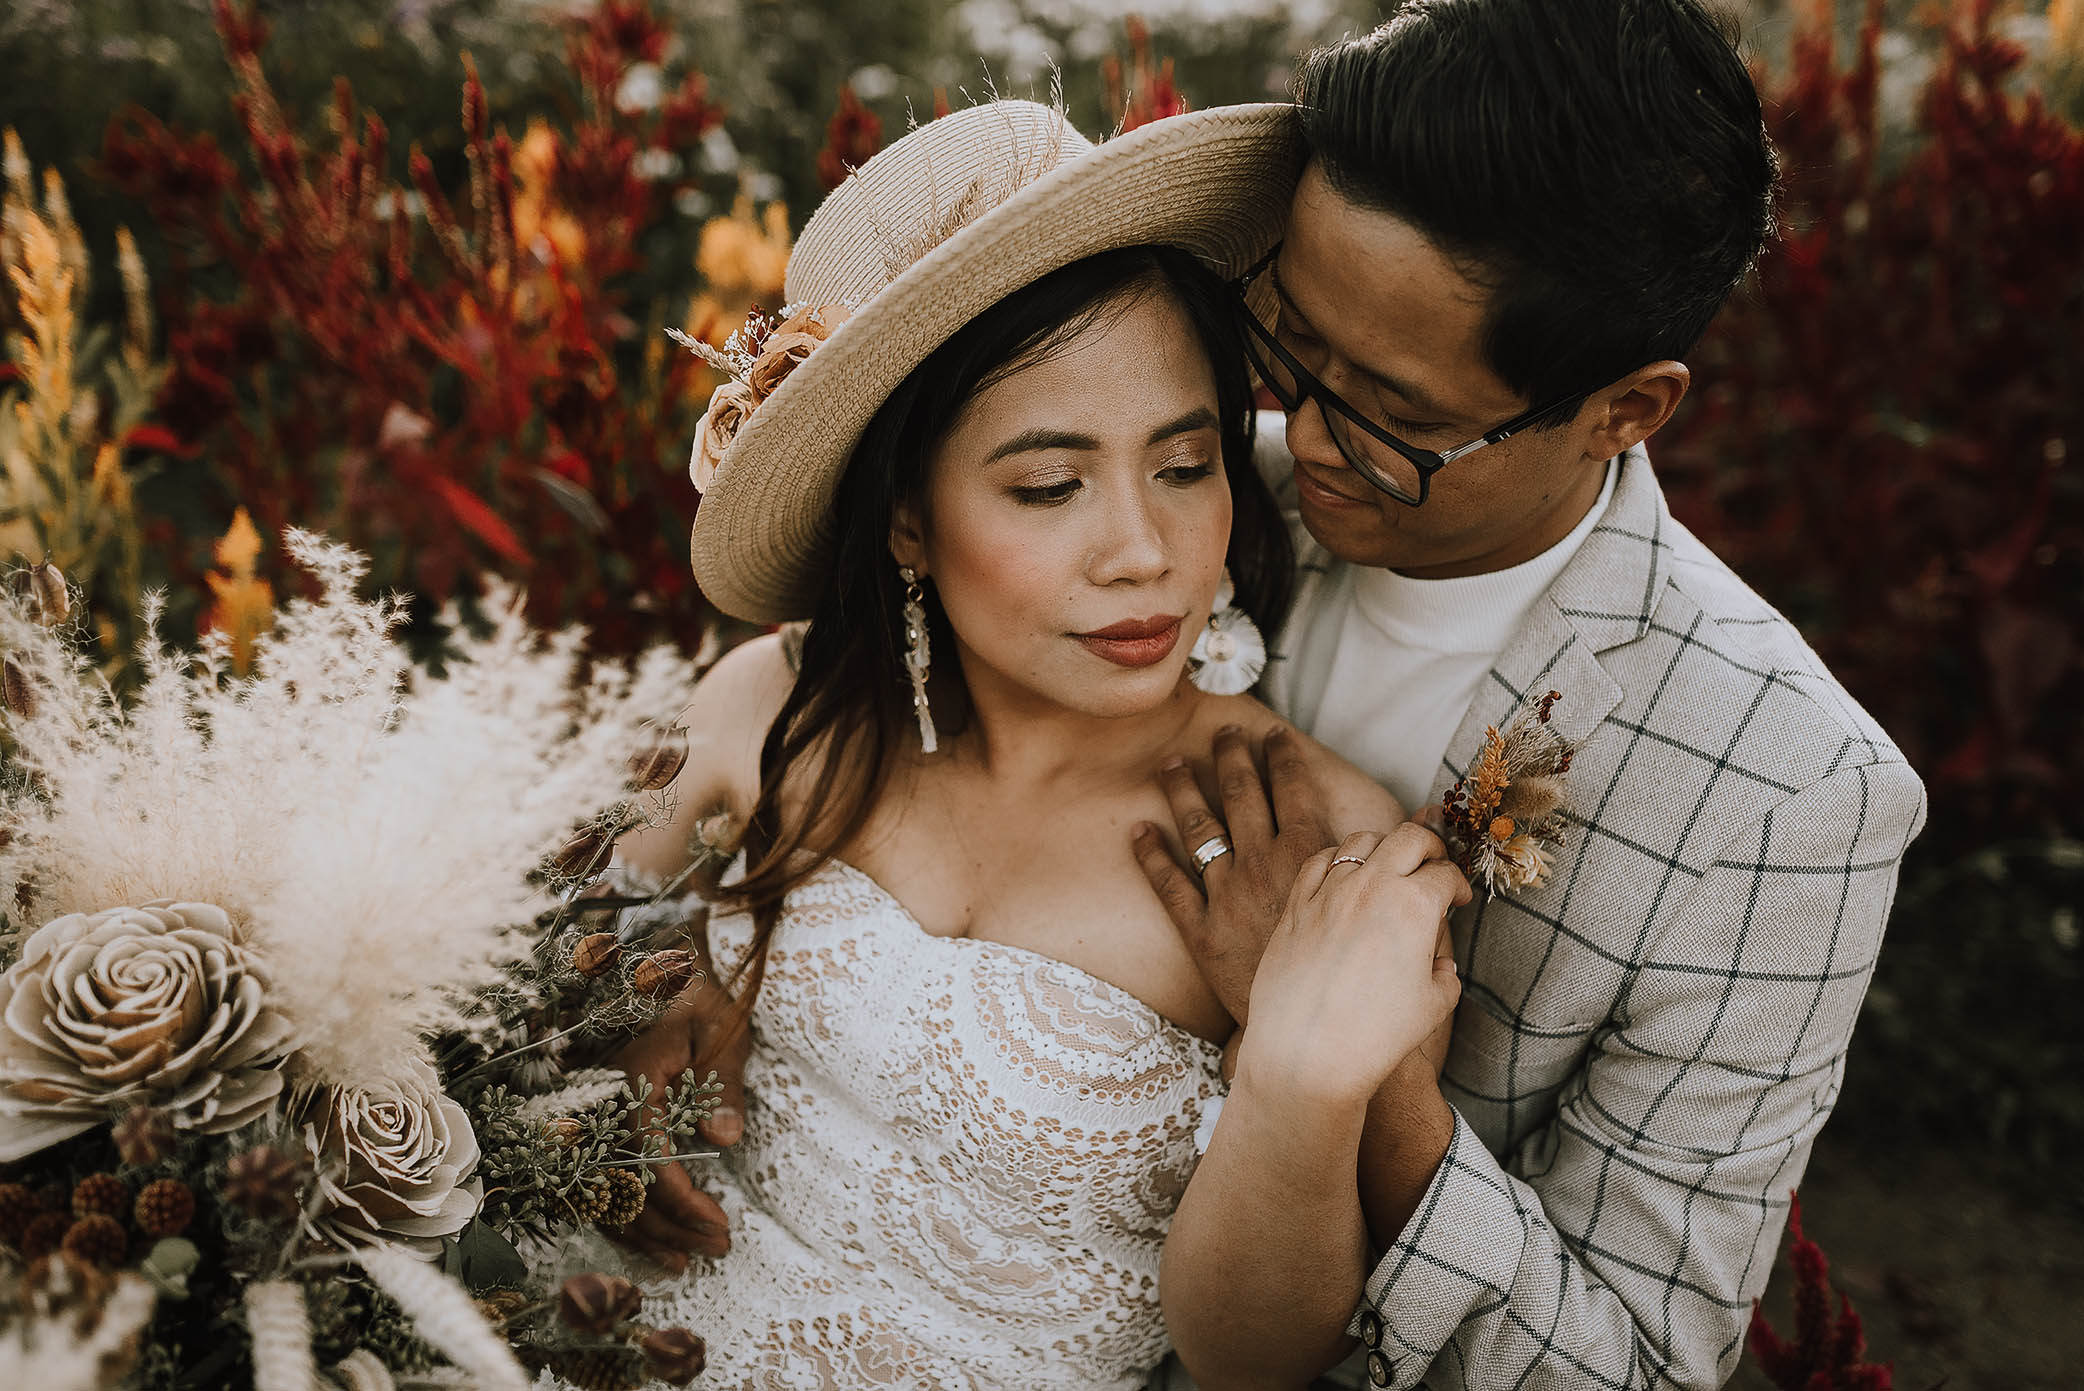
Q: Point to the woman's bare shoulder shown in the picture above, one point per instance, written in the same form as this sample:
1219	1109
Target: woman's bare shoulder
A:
730	712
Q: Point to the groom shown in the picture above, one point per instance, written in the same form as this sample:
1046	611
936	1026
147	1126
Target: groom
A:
1523	208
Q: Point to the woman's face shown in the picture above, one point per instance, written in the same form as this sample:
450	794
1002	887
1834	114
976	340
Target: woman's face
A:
1077	517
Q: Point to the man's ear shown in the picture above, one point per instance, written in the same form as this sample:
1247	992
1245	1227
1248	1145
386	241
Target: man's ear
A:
907	537
1636	408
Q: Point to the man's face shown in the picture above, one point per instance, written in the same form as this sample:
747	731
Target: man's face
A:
1389	323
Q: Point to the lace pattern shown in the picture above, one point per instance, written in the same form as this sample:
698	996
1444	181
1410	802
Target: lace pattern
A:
959	1164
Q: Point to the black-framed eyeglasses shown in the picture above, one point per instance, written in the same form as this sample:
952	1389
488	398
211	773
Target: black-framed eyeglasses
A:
1404	471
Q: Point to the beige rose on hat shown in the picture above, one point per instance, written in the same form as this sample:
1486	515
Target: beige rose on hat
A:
398	1163
729	405
785	347
156	1004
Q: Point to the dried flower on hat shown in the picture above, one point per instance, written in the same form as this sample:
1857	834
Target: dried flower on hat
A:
1506	817
757	359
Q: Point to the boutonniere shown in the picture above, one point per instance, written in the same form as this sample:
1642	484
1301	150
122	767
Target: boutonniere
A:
1505	817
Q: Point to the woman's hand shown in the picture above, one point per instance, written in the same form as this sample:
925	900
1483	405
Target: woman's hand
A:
680	1219
1357	973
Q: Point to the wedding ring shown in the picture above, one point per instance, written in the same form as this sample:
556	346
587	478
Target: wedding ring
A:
1346	860
1208	852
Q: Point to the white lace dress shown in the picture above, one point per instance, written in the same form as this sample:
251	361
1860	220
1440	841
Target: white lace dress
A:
959	1164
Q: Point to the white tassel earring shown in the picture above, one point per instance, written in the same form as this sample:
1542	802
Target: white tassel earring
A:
1230	653
918	653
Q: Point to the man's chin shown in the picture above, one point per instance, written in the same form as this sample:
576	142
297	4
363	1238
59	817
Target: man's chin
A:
1358	534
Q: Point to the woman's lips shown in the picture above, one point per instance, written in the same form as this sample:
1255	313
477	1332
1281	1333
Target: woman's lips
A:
1136	642
1319	495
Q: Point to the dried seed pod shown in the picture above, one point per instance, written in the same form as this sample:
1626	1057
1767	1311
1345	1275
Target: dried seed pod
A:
582	854
44	1232
596	1303
102	1194
97	1240
674	1355
599	1369
665	972
145	1135
44	587
265	1183
19	1206
564	1130
659	761
624	1198
164	1207
15	689
596	953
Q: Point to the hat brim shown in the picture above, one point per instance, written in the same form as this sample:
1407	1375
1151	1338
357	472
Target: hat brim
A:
1216	183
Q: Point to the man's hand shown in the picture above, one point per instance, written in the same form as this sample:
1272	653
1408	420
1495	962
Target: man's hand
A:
1226	915
680	1219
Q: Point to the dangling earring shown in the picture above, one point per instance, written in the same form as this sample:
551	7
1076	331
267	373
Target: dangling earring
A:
1230	654
917	653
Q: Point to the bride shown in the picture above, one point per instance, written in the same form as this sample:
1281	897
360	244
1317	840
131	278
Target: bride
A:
999	459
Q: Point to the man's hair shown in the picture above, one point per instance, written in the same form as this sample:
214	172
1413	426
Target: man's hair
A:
1600	166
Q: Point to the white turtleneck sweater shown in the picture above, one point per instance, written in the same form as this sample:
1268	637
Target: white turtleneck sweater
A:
1386	665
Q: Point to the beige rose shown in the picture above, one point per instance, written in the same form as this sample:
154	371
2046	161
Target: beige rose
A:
729	405
398	1164
818	323
781	355
153	1005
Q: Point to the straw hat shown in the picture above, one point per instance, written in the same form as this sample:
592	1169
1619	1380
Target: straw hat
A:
927	235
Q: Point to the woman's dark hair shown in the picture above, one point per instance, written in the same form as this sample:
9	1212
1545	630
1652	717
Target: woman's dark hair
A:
832	743
1601	166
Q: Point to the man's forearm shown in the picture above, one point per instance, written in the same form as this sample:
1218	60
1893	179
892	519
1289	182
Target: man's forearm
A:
1409	1127
1267	1253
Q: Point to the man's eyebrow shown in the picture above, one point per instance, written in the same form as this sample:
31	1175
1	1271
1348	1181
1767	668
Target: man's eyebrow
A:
1200	418
1040	438
1396	386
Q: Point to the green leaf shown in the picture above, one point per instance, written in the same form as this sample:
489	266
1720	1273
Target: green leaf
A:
483	1259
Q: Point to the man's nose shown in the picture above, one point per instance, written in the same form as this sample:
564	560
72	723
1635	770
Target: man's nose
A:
1310	441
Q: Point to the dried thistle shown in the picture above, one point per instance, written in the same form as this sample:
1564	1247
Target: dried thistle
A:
1506	818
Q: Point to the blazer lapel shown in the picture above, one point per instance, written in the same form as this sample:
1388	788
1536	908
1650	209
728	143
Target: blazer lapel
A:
1603	598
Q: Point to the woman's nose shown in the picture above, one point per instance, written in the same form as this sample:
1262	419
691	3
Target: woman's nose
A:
1132	546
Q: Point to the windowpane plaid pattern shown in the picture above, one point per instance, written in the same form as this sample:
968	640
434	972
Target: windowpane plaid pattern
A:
1648	1043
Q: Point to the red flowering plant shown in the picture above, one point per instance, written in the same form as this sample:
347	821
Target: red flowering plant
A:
1888	439
452	383
1829	1348
1145	91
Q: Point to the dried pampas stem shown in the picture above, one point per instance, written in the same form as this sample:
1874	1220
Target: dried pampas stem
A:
444	1314
360	1370
281	1333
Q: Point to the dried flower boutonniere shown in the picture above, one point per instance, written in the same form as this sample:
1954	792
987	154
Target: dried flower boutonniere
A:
755	360
1505	817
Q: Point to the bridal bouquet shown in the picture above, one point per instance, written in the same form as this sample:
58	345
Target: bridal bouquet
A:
308	981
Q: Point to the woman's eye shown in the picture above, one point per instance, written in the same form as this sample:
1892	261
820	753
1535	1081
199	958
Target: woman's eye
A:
1189	472
1045	494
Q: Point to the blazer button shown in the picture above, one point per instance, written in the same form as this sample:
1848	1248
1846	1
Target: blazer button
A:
1379	1370
1371	1328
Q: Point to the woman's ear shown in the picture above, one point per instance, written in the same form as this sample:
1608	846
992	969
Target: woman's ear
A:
908	538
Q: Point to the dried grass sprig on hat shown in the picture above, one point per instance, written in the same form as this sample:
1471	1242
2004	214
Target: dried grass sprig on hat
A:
757	358
1505	817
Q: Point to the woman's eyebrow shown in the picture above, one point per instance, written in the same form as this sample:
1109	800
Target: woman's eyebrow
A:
1200	418
1038	439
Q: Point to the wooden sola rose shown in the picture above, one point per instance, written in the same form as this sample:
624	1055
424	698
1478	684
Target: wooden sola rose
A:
156	1005
755	360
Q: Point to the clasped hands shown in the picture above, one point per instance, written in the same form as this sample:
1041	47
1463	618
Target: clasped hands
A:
1336	954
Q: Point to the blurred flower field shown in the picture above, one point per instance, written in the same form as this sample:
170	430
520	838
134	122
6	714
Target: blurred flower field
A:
400	271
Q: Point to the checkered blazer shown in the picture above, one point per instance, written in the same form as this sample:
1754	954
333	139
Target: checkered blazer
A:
1648	1043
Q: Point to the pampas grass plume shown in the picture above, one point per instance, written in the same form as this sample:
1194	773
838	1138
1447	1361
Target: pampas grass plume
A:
445	1316
370	827
281	1333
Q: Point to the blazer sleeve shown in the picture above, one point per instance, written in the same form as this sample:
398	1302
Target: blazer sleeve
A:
1621	1246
